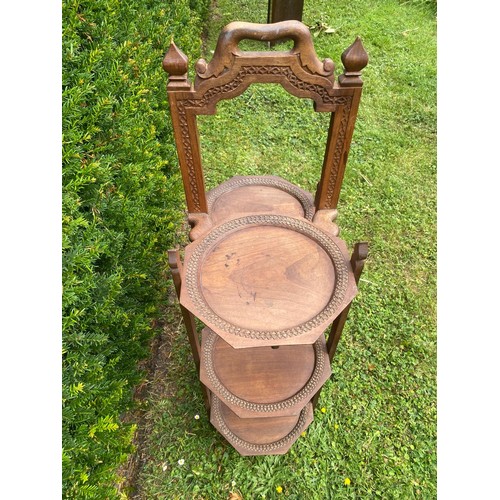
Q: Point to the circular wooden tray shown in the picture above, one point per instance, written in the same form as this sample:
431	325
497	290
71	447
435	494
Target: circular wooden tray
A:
263	381
258	194
259	436
267	280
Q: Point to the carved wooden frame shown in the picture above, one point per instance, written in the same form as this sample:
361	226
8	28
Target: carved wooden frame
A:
232	70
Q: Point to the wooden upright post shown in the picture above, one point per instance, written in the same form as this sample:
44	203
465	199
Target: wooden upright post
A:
175	264
341	128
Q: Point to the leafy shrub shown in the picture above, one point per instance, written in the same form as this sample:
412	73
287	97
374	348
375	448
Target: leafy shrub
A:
121	200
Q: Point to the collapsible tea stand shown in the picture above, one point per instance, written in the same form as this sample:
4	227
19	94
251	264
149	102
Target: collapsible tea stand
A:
265	271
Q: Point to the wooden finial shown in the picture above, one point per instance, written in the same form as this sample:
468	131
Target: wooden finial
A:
175	63
354	59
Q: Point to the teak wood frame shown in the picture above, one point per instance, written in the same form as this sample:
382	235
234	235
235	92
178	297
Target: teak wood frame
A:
232	70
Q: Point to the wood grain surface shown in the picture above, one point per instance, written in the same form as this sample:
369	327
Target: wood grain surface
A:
254	199
267	278
264	374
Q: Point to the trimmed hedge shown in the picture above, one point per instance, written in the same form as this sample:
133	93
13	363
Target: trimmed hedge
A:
122	198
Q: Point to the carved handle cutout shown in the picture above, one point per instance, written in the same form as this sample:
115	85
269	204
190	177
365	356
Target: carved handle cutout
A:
233	33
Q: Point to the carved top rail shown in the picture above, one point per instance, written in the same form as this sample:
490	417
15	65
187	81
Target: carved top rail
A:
232	70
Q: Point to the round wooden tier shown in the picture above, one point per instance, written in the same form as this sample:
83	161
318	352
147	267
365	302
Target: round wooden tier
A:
263	381
258	194
259	436
264	280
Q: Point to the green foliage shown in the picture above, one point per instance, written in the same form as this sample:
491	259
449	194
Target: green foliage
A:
121	199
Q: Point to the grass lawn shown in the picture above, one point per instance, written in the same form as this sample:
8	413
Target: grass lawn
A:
376	421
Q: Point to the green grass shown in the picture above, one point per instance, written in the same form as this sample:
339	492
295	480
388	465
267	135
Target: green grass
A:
379	424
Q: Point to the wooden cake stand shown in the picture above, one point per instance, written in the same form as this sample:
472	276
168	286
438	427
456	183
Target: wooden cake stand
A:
265	270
